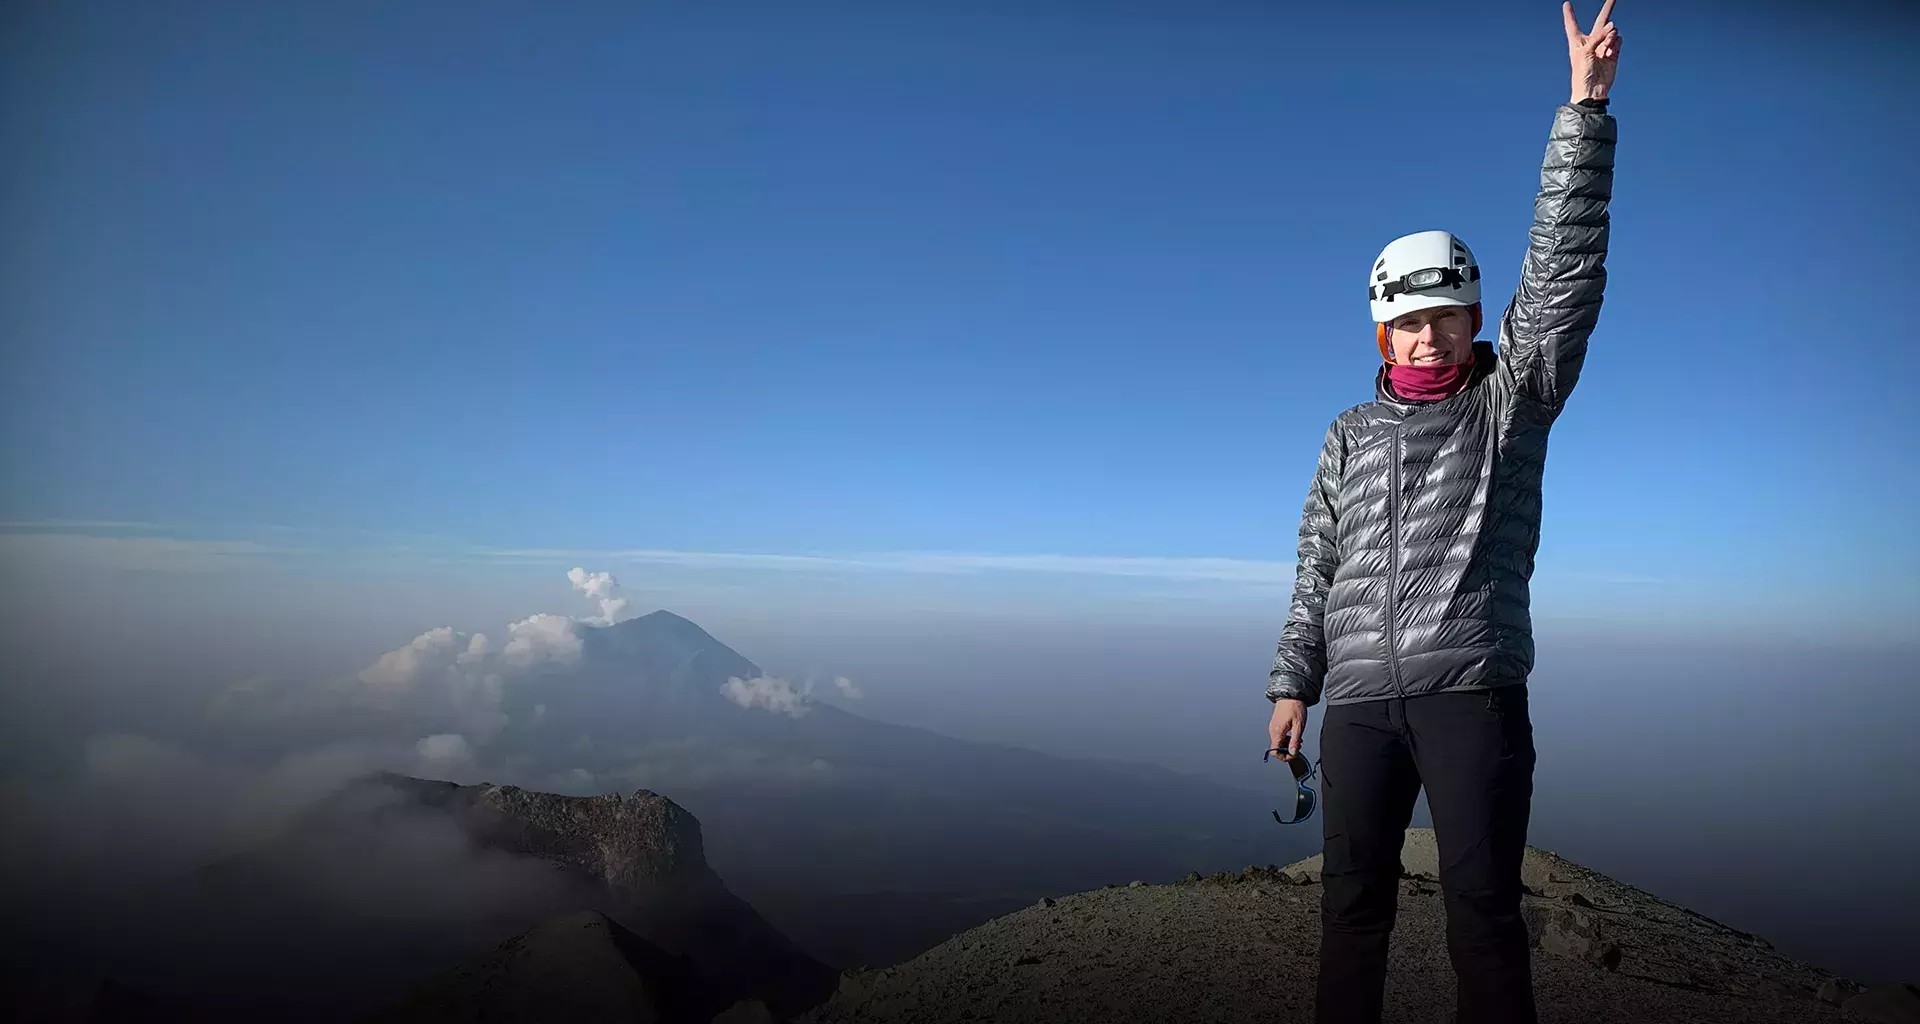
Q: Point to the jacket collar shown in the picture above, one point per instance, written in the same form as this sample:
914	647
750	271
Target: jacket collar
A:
1484	359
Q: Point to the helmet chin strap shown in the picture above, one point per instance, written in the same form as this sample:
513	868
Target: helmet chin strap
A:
1383	333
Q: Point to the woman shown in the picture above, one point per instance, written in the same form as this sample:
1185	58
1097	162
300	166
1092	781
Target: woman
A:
1410	615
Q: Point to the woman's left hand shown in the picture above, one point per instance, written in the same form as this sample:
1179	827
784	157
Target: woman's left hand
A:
1595	55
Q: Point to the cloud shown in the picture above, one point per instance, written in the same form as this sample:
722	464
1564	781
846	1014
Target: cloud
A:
541	639
444	748
139	554
177	808
602	587
457	682
773	694
404	667
141	835
1238	570
846	687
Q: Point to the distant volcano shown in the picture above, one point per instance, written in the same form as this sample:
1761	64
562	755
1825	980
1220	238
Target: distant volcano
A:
820	816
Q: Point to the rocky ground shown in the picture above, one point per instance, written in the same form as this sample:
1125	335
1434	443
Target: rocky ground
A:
1244	947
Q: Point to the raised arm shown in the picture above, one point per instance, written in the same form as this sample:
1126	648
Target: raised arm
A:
1543	335
1300	661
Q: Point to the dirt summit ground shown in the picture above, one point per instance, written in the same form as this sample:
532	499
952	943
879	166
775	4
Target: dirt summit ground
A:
1244	947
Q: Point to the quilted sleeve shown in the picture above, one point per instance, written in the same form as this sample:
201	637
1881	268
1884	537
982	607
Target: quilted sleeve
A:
1300	661
1543	335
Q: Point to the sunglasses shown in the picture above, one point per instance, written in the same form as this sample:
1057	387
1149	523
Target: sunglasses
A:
1303	798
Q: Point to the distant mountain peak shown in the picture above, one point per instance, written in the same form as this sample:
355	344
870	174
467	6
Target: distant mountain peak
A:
662	624
661	635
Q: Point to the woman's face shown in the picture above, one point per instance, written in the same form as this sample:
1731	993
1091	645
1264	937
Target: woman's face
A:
1442	334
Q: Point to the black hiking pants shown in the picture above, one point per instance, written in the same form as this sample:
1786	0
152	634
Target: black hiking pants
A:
1474	754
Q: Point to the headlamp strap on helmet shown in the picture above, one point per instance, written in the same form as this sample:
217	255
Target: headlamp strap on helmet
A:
1424	280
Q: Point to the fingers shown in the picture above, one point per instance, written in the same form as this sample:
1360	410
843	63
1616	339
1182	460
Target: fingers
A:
1606	12
1606	45
1573	27
1287	726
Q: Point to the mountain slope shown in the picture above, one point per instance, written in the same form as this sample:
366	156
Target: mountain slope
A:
1245	947
816	814
582	968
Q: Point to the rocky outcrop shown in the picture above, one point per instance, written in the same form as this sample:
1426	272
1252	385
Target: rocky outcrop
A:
514	858
1244	946
645	852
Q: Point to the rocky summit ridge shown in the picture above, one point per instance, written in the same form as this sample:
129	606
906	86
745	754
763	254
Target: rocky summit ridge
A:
1244	947
1216	948
653	934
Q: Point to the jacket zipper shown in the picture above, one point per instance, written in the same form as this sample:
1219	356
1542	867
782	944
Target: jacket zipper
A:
1393	573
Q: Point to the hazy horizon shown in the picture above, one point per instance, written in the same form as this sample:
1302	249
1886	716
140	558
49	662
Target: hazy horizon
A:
961	364
1758	781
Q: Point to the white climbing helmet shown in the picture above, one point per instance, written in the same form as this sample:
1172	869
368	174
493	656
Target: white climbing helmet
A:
1420	271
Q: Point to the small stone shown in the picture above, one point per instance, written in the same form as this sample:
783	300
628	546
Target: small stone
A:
1136	884
1836	991
1575	934
1026	961
1046	901
1305	878
1190	877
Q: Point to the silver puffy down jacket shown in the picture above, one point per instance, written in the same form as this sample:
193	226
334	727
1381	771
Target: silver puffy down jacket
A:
1420	527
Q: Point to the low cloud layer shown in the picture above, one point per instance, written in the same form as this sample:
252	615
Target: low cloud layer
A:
191	877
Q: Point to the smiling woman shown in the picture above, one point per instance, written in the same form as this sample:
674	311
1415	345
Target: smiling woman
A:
1433	336
1417	542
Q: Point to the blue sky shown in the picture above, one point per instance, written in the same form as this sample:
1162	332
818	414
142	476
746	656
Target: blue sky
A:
1061	280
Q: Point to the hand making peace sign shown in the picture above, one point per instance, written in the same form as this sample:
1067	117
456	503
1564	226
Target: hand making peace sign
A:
1595	55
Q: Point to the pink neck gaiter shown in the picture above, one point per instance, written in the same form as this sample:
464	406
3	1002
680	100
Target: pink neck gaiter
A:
1429	383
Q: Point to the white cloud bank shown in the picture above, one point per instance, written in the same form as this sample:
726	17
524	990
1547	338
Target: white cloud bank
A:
457	682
